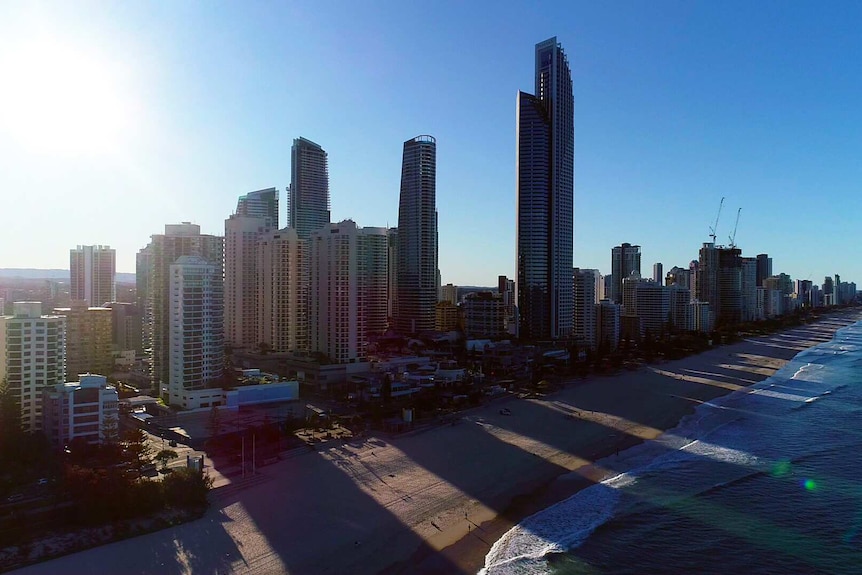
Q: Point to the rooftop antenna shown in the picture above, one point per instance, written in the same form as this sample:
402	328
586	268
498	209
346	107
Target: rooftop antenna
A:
715	225
733	235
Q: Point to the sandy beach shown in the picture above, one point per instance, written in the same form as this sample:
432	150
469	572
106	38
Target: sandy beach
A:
436	500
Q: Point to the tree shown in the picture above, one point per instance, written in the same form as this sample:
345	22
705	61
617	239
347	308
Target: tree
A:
386	388
214	422
164	456
135	447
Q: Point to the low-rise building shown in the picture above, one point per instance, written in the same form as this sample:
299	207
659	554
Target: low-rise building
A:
86	410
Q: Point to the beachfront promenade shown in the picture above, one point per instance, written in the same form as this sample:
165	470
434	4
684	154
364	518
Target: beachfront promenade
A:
391	503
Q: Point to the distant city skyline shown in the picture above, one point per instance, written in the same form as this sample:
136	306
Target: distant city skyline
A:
169	112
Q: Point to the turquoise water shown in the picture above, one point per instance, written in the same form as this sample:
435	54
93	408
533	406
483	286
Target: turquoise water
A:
763	481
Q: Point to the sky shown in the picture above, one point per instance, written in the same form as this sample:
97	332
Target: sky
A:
117	118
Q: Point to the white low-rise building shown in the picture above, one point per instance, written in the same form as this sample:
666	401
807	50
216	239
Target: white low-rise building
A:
86	409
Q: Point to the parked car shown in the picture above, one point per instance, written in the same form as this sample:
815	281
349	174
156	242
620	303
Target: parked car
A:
15	497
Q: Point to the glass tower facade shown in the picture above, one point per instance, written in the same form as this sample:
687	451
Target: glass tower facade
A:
308	196
416	280
545	177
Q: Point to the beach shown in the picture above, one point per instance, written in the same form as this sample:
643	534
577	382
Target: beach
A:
436	500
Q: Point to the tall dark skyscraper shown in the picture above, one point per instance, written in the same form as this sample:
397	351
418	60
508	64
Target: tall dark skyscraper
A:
416	280
625	259
308	196
545	174
764	268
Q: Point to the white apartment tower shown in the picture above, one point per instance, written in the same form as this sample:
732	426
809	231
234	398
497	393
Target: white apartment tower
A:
241	234
92	274
196	341
32	357
346	299
282	291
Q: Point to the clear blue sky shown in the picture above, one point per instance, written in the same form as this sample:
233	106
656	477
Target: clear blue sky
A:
119	117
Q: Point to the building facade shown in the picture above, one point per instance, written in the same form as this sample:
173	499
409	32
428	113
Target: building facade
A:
584	290
89	339
625	260
196	334
308	195
484	314
241	234
86	409
32	357
545	205
282	291
608	324
417	273
178	240
93	274
126	327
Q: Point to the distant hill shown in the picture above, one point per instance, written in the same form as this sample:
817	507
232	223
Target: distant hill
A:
58	275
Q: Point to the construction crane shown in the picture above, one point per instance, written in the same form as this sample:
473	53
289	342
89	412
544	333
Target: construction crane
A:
715	225
733	235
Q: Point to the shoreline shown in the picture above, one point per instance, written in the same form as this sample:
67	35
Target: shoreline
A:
467	552
435	501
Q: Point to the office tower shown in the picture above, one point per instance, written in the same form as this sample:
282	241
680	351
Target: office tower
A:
89	347
92	274
282	291
764	268
242	233
86	408
584	321
337	282
178	240
719	282
392	257
196	311
545	159
625	259
260	204
839	296
749	289
32	357
484	314
417	237
308	195
658	273
126	327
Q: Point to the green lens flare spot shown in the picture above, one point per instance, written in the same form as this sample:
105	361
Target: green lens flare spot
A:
809	484
781	469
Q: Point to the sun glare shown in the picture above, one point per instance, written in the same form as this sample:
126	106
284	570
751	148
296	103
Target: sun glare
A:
60	99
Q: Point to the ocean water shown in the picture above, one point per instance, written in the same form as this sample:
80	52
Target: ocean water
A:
767	480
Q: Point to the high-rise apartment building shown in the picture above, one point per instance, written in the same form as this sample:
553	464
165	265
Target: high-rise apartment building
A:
339	280
282	290
178	240
545	152
260	204
256	213
658	273
126	327
449	292
308	195
484	314
416	293
749	289
625	259
89	345
649	302
719	282
764	268
607	324
584	322
374	249
32	357
196	325
93	274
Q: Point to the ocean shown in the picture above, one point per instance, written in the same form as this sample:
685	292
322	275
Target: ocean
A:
766	480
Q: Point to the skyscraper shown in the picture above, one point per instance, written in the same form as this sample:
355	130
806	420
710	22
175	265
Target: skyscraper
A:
545	177
764	268
260	204
417	237
308	195
256	213
92	271
282	290
625	259
165	249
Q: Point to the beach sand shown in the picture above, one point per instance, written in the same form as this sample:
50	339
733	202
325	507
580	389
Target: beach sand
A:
436	500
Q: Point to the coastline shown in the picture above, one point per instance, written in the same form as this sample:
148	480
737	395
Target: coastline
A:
468	551
436	500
